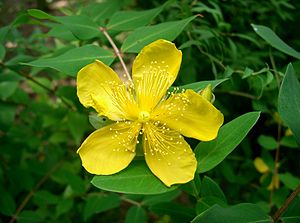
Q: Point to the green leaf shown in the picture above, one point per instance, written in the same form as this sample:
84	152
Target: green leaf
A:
100	203
63	206
136	214
44	197
102	10
210	154
129	20
2	52
30	217
292	215
289	180
135	179
178	212
7	88
241	213
289	141
267	142
145	35
198	86
211	188
73	60
205	203
7	115
99	121
150	200
228	72
7	203
247	72
39	14
3	32
270	37
193	187
78	125
289	101
59	31
81	26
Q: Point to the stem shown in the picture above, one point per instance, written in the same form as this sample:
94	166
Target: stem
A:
117	52
52	92
31	193
131	201
279	127
274	68
286	204
238	93
211	57
276	161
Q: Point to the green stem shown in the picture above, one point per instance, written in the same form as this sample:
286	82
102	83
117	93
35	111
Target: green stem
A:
238	93
131	201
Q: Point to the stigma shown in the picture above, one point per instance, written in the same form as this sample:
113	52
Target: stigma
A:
144	116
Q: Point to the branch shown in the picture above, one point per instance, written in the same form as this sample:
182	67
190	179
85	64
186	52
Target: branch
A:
117	52
52	92
31	193
237	93
286	204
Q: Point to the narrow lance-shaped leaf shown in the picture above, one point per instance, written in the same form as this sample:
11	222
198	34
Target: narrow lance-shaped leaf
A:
270	37
210	154
129	20
80	25
99	11
289	101
73	60
198	86
145	35
136	214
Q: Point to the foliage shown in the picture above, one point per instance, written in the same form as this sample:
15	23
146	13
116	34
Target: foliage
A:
247	51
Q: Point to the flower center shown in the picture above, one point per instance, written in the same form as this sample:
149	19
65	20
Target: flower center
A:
144	116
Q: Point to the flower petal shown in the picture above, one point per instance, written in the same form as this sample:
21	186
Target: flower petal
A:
167	154
98	86
110	149
191	115
154	70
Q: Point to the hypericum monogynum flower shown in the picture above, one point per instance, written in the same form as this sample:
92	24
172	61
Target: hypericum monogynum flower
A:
145	111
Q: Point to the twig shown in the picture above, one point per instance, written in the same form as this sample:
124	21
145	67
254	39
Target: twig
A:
274	68
31	193
286	204
52	92
117	52
279	127
238	93
131	201
276	161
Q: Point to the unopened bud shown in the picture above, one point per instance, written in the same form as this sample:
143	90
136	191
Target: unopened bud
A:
207	94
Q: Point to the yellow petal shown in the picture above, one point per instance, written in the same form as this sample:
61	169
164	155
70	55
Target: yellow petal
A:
260	165
167	155
191	115
154	70
110	149
98	86
274	183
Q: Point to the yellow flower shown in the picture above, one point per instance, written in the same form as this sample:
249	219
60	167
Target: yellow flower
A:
145	109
